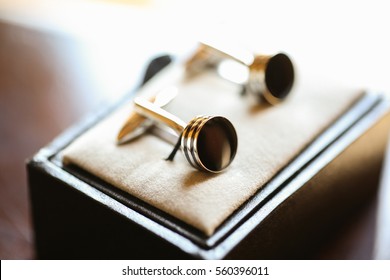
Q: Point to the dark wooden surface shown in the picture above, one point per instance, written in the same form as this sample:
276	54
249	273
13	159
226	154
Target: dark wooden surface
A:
40	95
45	87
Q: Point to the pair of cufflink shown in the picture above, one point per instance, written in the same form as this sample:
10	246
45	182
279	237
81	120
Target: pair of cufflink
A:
209	143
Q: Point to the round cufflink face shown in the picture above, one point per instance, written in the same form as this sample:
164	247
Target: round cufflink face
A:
210	143
279	76
271	77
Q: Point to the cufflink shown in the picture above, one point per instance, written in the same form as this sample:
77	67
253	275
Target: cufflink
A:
270	76
209	143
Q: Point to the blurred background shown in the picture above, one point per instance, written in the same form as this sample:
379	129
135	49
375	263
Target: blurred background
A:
62	60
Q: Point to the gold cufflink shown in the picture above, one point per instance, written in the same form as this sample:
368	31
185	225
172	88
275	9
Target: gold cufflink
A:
270	76
209	143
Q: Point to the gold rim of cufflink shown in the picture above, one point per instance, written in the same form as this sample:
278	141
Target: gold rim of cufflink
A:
209	143
272	77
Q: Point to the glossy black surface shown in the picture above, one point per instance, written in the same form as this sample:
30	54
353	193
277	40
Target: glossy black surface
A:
217	144
279	75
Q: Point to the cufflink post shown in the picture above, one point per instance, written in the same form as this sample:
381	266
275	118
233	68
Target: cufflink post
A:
137	124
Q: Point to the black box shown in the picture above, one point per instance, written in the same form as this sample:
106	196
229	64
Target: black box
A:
78	216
